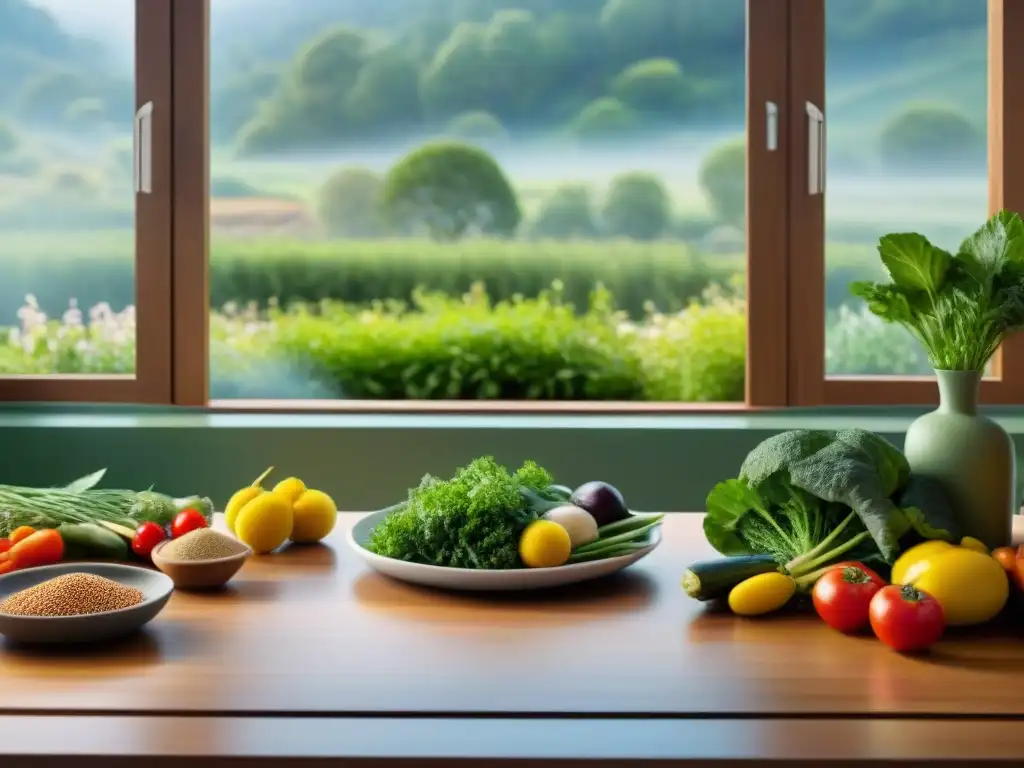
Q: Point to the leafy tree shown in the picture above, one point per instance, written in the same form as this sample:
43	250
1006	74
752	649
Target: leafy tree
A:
236	100
310	106
723	177
476	125
349	203
605	118
567	213
457	79
574	50
385	94
449	189
933	137
512	49
639	29
657	86
638	206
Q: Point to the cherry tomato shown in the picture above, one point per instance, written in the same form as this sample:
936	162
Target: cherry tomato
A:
1006	557
21	532
842	597
5	544
187	520
905	618
147	536
871	574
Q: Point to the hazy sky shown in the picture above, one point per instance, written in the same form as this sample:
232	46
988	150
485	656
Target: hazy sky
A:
104	18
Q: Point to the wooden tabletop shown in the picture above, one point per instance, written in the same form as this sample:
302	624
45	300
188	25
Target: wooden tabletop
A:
309	654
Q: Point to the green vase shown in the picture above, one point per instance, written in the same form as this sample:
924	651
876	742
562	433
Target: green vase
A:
970	456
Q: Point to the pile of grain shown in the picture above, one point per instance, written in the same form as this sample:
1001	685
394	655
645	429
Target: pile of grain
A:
202	544
72	594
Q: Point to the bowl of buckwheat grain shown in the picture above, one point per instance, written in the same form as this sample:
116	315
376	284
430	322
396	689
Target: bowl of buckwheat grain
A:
79	602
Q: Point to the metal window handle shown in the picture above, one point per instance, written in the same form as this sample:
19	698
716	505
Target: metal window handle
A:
142	145
771	110
815	150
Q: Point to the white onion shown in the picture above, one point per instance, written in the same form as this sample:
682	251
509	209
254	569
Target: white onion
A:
578	523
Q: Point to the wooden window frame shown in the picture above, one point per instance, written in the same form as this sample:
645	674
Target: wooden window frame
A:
808	383
766	375
151	382
785	231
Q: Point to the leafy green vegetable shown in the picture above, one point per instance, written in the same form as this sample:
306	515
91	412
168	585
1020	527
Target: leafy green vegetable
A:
82	502
959	307
473	520
809	497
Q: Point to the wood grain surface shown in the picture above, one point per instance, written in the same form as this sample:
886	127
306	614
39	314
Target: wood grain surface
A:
310	635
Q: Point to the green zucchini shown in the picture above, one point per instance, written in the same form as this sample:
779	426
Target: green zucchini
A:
88	541
713	579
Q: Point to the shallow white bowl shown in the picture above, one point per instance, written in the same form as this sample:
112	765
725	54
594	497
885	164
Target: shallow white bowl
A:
487	581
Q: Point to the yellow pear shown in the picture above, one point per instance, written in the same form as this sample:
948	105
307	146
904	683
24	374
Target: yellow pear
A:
243	497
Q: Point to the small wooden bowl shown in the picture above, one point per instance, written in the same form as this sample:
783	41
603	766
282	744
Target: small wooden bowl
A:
200	574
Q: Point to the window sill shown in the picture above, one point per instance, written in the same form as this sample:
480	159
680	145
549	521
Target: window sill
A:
660	461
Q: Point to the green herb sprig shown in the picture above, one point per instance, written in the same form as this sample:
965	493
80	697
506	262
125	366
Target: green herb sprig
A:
959	307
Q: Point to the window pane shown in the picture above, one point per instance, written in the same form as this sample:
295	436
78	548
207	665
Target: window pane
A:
67	239
906	104
421	199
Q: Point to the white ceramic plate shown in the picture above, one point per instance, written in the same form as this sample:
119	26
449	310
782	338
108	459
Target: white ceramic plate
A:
487	581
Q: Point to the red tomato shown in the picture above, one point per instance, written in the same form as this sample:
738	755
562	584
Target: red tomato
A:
871	574
147	536
842	597
187	520
905	618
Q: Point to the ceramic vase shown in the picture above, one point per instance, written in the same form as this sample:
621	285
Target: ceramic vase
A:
970	456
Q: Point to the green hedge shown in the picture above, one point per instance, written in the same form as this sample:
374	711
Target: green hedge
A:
470	348
97	267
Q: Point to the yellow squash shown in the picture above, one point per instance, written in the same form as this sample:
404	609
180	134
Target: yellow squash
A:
907	563
971	587
761	594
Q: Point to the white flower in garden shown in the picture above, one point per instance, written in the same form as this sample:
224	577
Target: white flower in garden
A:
72	315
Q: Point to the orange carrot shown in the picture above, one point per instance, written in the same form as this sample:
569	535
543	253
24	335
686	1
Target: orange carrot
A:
22	532
41	548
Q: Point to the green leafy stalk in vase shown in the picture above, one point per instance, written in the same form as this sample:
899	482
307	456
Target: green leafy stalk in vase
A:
959	307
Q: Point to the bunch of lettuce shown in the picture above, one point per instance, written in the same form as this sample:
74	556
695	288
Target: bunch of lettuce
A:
473	520
811	498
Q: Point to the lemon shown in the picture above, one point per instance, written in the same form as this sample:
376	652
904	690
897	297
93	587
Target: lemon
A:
906	562
976	544
544	544
315	514
972	587
239	500
291	488
265	523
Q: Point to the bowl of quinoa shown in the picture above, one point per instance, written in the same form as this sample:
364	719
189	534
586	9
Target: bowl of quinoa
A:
201	559
79	602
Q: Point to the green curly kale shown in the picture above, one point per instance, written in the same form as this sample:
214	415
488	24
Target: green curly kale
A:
473	520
